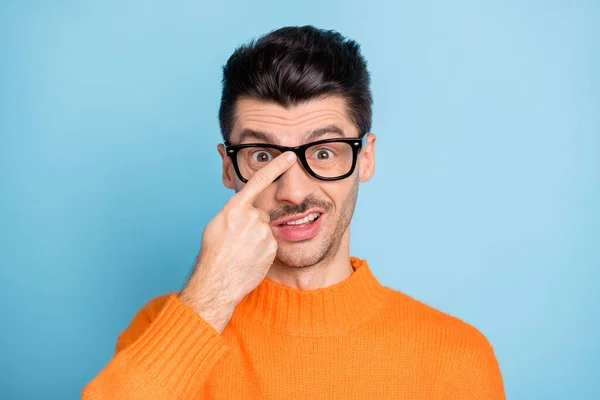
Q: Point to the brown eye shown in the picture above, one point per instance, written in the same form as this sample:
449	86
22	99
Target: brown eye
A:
323	155
262	156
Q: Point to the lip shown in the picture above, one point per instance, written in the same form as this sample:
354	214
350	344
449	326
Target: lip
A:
294	233
282	221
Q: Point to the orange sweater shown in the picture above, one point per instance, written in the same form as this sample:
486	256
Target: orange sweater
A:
353	340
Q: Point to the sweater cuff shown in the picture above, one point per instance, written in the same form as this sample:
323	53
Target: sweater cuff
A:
178	347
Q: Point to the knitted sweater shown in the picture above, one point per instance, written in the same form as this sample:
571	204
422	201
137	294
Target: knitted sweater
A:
353	340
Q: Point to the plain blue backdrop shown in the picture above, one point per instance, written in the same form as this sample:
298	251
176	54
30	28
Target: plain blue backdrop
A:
485	203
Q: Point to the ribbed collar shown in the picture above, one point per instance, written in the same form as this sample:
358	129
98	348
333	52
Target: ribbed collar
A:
318	312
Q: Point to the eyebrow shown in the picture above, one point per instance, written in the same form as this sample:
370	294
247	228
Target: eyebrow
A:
308	137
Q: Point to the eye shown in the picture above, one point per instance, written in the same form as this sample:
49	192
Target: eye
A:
261	156
323	154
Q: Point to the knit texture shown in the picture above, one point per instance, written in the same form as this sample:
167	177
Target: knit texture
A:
353	340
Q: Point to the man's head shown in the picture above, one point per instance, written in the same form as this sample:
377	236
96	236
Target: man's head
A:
294	86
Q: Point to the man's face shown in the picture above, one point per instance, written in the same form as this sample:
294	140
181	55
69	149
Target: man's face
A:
297	194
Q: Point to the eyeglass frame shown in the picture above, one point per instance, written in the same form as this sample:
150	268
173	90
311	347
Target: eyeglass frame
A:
355	143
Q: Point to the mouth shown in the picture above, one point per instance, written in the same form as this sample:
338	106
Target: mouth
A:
299	227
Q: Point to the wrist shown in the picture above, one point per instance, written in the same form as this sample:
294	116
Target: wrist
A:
213	310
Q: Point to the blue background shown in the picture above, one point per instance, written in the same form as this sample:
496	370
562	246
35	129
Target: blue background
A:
485	203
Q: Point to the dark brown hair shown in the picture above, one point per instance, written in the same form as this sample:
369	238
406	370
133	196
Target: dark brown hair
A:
292	65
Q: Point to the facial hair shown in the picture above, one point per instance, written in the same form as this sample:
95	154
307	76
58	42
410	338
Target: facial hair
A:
307	254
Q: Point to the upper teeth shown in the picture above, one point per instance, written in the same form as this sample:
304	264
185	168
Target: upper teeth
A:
304	220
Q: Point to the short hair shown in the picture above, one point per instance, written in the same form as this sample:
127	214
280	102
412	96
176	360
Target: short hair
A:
292	65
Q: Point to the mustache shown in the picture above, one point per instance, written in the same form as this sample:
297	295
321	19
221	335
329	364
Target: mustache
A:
307	204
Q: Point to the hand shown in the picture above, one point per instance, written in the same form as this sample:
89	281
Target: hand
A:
238	248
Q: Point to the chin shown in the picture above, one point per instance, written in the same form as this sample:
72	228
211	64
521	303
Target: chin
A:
303	254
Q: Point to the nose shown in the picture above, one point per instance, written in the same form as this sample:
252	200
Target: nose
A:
294	185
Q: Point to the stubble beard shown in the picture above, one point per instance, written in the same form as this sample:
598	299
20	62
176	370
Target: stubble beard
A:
327	243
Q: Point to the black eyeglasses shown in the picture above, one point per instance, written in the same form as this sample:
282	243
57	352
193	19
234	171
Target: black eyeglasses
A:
327	160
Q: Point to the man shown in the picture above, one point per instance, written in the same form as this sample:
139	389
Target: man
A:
275	307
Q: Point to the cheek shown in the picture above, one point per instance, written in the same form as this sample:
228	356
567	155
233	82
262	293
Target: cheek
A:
337	192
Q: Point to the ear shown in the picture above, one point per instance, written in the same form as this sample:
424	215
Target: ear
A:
228	172
366	158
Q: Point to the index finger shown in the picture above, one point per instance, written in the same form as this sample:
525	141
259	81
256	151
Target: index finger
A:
265	176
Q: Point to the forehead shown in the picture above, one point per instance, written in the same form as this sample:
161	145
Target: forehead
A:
289	126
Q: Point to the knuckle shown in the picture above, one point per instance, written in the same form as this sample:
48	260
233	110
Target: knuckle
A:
212	225
264	216
230	219
257	215
264	230
272	245
226	213
254	215
227	209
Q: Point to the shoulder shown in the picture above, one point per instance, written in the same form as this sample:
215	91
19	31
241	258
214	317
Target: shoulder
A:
451	333
464	357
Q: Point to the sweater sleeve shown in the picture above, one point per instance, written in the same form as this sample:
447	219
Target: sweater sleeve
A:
166	356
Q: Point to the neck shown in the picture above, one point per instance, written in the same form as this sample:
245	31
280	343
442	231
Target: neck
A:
324	311
333	268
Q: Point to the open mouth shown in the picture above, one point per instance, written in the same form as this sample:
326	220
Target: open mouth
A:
302	222
304	228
